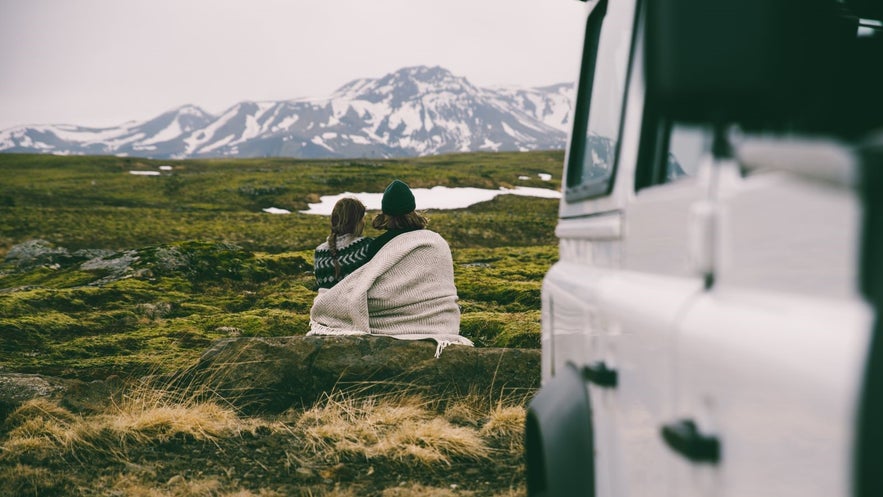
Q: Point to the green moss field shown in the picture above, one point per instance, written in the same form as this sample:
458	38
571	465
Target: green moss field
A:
109	273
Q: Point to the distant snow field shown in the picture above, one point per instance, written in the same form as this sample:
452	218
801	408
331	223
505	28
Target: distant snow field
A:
437	197
276	210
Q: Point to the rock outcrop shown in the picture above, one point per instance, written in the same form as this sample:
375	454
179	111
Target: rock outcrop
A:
269	375
272	374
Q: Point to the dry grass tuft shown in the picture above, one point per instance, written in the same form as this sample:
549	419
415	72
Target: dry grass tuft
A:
400	429
39	429
466	412
418	490
506	424
145	424
346	427
505	421
27	480
180	487
151	413
521	492
337	492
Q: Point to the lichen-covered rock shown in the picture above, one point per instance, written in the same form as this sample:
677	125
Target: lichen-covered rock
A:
36	252
272	374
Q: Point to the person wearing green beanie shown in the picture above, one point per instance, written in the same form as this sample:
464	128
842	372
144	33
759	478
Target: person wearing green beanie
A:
397	215
398	199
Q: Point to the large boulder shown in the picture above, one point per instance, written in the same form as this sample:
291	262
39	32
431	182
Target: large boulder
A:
272	374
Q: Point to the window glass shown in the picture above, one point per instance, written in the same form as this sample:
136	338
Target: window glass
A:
687	145
600	99
670	151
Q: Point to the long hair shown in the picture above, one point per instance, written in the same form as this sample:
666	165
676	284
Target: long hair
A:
411	220
347	217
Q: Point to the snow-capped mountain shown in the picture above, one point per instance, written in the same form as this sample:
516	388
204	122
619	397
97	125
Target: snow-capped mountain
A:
413	111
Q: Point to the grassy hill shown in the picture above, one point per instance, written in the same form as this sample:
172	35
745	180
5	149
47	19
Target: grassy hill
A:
111	274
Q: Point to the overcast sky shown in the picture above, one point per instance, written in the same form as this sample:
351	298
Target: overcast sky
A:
105	62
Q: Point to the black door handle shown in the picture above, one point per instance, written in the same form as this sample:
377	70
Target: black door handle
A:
599	374
685	439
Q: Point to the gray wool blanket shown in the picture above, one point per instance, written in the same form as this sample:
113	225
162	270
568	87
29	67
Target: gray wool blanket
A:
405	291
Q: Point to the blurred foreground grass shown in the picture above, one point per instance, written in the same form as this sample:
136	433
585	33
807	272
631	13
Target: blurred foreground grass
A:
156	443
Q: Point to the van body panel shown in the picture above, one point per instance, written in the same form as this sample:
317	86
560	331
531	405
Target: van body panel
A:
775	377
712	307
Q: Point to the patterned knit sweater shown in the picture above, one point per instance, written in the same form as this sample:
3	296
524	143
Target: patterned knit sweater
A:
406	291
352	252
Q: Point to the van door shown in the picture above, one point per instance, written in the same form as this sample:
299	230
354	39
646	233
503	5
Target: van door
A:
648	296
575	330
625	275
770	357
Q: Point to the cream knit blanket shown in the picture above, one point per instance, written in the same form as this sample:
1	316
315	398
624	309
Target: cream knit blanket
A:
405	291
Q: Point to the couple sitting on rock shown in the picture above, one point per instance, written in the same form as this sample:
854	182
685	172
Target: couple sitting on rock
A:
400	284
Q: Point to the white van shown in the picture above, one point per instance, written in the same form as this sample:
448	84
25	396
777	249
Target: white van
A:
711	326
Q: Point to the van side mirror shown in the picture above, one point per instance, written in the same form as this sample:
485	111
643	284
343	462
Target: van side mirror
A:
739	61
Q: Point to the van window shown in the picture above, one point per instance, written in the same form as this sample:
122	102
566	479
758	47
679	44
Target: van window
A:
670	151
600	93
687	146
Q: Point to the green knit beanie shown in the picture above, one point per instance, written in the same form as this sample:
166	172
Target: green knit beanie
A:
397	199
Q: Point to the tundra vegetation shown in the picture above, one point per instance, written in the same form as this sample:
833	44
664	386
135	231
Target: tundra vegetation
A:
111	275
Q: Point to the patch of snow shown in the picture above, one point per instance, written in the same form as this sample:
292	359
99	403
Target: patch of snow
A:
408	115
339	107
252	129
218	144
427	120
276	210
200	137
87	135
545	176
318	141
192	110
515	134
173	130
523	178
437	197
263	108
114	144
488	144
286	123
145	173
165	168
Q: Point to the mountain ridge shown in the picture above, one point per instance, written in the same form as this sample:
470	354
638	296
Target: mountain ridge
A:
413	111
